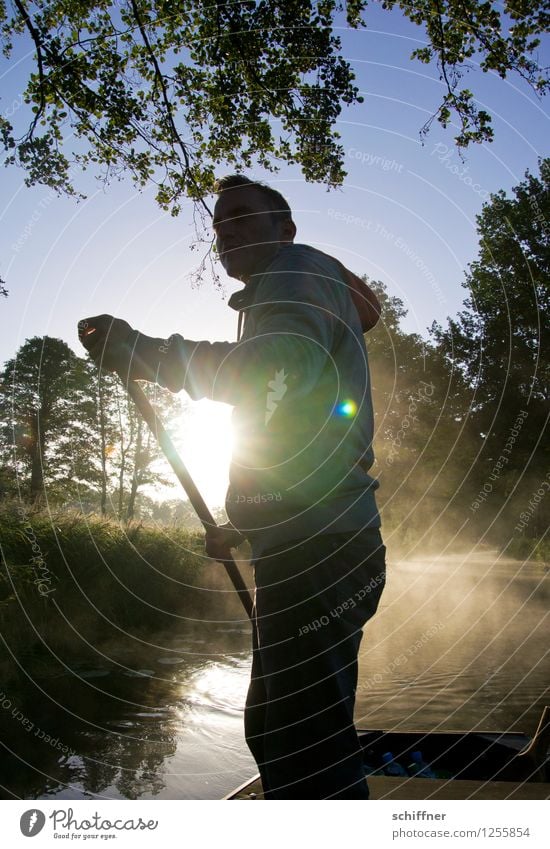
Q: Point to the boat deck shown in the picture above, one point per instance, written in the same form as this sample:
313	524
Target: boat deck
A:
384	787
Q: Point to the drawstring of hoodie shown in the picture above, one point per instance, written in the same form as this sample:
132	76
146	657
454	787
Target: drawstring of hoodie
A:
240	325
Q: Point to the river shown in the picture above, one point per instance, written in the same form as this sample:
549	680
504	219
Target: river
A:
459	642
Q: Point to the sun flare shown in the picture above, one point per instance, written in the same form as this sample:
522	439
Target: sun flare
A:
204	438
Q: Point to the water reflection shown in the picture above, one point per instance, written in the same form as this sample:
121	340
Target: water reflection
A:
457	644
166	729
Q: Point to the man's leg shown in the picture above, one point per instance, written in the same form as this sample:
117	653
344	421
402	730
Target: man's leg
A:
255	708
311	605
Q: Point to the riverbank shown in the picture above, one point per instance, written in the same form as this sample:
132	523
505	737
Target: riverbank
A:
70	582
533	550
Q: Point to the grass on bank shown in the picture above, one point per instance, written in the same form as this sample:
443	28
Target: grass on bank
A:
71	581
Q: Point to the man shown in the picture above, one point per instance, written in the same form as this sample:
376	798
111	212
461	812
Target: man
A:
299	488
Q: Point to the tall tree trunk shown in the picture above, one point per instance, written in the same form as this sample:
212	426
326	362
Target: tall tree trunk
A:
37	474
124	451
138	459
103	448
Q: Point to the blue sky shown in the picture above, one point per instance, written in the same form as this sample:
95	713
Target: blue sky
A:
406	214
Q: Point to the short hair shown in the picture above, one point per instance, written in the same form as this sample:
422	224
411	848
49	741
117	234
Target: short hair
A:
277	202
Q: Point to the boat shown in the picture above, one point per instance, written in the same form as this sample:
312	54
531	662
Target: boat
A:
461	765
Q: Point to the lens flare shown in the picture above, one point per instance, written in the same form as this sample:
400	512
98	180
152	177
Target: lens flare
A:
347	409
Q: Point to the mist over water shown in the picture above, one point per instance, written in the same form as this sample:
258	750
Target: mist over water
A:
459	642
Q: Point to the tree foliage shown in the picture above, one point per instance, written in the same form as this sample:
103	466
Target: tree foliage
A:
501	338
422	435
500	341
69	435
48	416
129	451
501	37
170	91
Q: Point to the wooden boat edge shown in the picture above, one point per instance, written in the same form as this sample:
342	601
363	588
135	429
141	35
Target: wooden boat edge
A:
533	749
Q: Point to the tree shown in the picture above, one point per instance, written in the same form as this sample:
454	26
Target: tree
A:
422	434
169	91
500	340
130	454
73	435
48	415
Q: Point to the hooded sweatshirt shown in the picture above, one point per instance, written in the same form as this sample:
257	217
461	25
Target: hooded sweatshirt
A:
298	380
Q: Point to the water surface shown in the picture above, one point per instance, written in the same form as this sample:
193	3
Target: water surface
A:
458	643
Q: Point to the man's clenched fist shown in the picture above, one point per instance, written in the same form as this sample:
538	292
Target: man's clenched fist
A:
108	340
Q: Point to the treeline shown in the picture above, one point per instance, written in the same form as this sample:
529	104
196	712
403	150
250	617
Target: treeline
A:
71	435
461	418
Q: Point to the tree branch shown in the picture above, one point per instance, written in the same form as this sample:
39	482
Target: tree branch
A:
167	105
35	35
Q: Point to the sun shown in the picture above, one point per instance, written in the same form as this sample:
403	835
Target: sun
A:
204	441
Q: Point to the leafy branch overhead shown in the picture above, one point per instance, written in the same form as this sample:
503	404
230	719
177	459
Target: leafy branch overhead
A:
170	91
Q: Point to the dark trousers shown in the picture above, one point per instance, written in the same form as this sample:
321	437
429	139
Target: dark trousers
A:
311	603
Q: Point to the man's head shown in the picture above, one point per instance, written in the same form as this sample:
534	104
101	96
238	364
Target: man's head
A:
251	222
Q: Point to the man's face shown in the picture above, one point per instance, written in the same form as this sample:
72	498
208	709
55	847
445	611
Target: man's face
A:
248	233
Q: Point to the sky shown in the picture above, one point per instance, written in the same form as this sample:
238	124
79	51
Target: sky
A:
405	215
